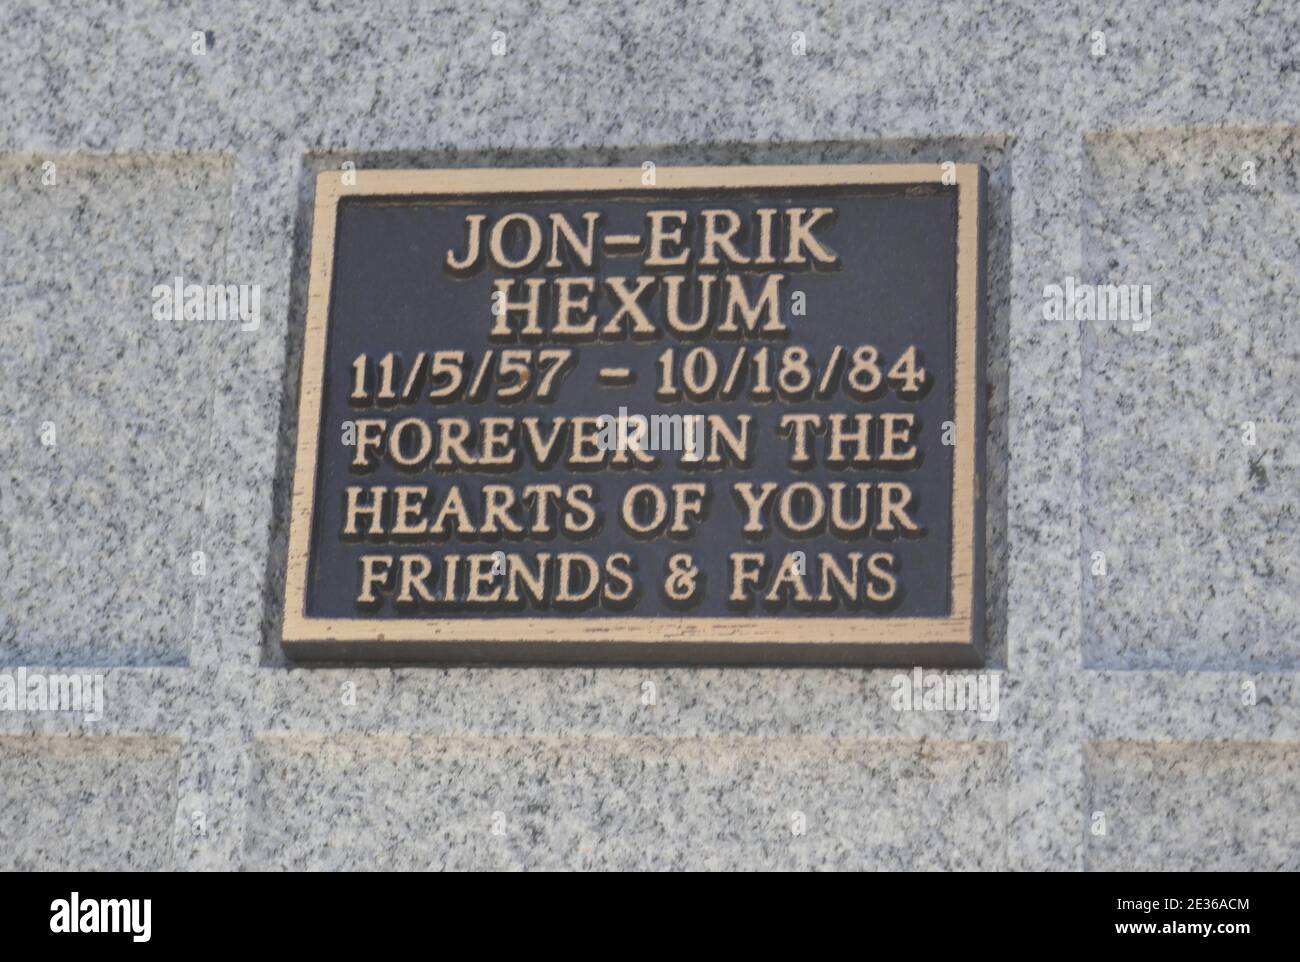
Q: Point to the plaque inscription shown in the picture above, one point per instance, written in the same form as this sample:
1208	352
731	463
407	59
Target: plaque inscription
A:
728	415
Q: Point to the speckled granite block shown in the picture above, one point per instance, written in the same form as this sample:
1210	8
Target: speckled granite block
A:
1185	63
1195	706
102	804
99	527
1187	807
712	803
1200	530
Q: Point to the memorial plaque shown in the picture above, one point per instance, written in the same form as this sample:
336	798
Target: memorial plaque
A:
726	415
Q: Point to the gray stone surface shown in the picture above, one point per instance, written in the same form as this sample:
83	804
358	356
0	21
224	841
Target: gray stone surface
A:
87	804
622	803
1199	528
104	489
1138	695
1216	808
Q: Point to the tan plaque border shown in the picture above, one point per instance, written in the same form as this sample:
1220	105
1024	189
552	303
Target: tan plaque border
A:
953	633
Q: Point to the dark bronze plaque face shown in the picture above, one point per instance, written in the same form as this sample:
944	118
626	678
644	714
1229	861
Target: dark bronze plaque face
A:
694	414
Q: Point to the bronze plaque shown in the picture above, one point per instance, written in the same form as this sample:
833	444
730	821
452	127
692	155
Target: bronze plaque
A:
723	414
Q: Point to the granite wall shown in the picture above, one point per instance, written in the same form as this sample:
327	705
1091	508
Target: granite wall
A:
1144	537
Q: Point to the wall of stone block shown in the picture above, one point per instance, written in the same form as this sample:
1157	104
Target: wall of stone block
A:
1162	695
